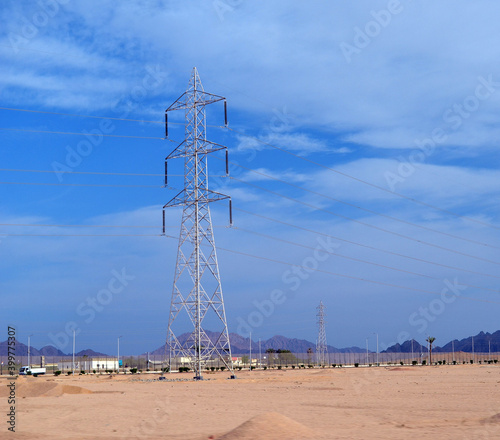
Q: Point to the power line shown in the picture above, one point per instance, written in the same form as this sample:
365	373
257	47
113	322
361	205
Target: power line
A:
269	237
382	283
381	188
367	224
159	227
90	172
83	184
85	134
79	226
364	245
336	254
99	117
256	257
264	143
361	208
242	134
83	235
88	116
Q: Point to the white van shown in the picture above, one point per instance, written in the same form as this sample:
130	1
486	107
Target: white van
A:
33	370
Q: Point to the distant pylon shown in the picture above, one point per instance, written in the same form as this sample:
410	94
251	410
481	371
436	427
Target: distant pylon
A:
197	300
321	348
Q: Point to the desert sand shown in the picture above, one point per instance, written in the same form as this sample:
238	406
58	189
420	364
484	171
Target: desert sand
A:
445	402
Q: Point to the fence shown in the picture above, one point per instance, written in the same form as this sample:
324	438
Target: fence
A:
260	361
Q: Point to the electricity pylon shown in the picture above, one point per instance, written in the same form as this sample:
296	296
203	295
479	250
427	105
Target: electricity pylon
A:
321	348
197	294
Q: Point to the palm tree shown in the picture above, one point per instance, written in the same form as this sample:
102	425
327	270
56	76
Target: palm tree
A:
270	352
430	340
309	355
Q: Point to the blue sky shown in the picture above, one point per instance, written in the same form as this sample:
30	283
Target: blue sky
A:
371	98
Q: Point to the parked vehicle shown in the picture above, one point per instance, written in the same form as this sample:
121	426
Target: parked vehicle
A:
35	371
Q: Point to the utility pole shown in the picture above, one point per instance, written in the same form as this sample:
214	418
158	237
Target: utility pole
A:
250	351
197	291
29	349
377	349
73	352
367	351
118	355
260	356
321	349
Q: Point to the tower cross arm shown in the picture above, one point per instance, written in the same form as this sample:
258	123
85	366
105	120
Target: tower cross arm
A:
213	196
183	151
178	200
202	98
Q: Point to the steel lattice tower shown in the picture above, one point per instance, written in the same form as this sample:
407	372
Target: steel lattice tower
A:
321	348
197	293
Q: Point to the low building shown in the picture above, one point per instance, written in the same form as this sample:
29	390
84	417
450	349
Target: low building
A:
99	364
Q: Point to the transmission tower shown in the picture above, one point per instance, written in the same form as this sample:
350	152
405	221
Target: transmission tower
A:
197	299
321	349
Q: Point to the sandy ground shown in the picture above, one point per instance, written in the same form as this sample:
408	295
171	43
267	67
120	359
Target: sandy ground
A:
459	402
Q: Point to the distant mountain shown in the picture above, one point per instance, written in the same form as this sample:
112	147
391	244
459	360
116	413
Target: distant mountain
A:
22	350
48	350
483	342
90	353
241	345
406	347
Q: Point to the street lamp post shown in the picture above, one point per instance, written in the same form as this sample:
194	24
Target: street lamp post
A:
473	357
250	351
118	355
260	356
367	351
73	353
377	348
29	351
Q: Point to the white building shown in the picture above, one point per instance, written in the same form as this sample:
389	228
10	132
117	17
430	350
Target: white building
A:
99	364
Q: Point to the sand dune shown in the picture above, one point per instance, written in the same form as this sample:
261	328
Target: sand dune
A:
38	387
445	402
269	426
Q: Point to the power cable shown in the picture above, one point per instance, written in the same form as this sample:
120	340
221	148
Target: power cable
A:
336	254
382	283
86	134
90	172
83	185
364	245
359	207
381	188
260	258
367	224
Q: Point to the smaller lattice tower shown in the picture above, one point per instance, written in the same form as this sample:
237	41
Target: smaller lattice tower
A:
321	348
